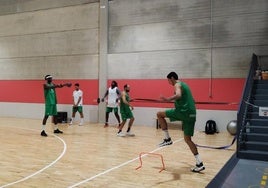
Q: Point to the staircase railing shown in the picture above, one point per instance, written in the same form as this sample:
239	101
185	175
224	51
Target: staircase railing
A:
245	101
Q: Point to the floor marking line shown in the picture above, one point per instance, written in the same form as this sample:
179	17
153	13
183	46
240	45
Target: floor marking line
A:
116	167
41	170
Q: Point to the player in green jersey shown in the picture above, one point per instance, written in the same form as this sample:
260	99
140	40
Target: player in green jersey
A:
51	103
126	113
184	111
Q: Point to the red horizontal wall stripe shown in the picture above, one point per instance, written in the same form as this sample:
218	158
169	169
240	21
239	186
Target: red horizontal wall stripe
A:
26	91
223	90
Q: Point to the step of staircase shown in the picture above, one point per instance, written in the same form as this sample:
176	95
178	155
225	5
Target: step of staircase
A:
254	109
256	137
263	103
256	146
254	155
260	97
255	115
260	82
257	129
260	91
260	86
258	121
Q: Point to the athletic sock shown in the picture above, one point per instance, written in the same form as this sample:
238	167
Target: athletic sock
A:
166	134
56	127
71	121
198	159
43	127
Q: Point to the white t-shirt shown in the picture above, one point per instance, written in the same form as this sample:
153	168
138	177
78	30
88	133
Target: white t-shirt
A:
112	96
76	95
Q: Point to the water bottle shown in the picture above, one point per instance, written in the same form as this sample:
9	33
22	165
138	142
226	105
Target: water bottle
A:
247	127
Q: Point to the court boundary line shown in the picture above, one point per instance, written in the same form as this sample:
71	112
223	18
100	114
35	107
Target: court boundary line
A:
43	169
118	166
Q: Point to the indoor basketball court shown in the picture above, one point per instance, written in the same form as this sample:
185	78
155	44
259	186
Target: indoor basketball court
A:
99	66
93	156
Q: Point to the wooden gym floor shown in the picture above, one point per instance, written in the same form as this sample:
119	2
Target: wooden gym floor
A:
93	156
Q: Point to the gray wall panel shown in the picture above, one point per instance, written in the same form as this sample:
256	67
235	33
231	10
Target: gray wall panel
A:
61	67
18	6
129	12
160	36
234	62
61	43
144	32
240	30
60	19
236	7
155	65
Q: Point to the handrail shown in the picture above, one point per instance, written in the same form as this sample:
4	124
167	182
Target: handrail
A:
245	100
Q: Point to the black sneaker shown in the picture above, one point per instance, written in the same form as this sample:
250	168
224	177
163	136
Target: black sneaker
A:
57	131
166	142
43	133
198	168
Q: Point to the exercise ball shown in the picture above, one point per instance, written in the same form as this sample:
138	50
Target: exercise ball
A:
232	127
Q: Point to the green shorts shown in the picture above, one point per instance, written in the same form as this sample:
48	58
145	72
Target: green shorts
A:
110	109
51	110
188	120
126	114
78	109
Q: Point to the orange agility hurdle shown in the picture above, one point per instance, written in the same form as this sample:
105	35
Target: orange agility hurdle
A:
155	154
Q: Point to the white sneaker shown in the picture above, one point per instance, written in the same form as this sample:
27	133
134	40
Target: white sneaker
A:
167	141
130	134
80	124
198	168
71	123
121	134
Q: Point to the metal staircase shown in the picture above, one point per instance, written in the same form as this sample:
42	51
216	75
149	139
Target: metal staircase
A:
252	129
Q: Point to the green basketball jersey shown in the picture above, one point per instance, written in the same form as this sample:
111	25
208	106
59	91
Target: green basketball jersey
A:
50	95
186	103
123	105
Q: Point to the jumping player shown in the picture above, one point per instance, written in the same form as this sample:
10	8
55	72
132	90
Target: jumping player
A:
113	94
184	111
51	103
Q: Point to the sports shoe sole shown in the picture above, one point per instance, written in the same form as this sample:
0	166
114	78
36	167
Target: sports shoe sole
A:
121	135
196	169
44	135
58	132
130	135
165	144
